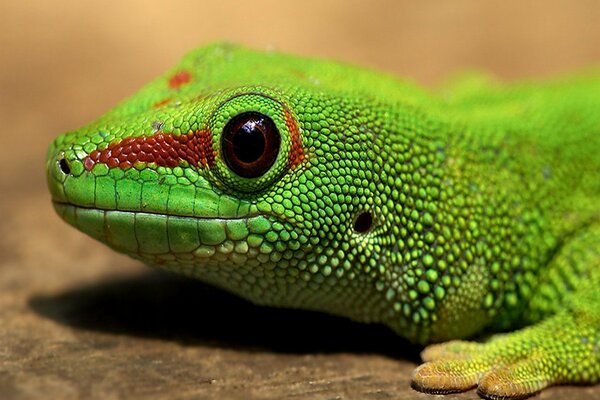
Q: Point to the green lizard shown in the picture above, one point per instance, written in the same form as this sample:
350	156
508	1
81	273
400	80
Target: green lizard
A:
304	183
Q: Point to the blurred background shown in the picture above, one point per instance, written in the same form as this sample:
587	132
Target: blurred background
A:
64	63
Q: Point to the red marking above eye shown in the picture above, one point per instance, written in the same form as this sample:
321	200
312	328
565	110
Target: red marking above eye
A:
161	103
179	79
296	154
162	149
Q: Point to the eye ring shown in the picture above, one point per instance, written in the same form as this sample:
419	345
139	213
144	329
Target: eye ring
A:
250	143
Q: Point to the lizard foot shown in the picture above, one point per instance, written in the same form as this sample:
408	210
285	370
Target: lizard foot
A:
514	381
562	349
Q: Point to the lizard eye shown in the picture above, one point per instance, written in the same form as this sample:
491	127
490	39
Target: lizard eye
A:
250	143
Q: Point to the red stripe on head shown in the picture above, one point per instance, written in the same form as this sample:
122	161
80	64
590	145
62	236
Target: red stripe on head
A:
296	155
162	149
161	103
179	79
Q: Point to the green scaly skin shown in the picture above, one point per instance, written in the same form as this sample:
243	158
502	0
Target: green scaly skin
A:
484	198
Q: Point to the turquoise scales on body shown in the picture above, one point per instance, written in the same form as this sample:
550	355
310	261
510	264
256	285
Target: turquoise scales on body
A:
306	183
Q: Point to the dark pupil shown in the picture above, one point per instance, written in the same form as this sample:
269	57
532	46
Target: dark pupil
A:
249	142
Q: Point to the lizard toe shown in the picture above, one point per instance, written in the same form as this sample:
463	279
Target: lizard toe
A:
446	376
515	382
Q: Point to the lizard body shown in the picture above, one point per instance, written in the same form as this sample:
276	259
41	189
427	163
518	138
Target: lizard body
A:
307	183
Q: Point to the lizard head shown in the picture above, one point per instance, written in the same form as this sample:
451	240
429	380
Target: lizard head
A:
265	174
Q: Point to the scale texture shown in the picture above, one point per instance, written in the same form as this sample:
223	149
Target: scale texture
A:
304	183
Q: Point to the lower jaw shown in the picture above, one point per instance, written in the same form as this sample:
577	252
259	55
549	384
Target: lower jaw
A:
146	234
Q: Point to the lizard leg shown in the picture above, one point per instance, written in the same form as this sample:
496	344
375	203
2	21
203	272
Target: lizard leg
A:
562	348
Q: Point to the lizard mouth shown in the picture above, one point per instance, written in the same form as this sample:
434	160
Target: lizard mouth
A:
61	204
150	233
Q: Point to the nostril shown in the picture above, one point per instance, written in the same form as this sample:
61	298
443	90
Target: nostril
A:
64	166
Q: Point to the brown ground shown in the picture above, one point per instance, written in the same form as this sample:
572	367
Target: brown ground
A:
77	321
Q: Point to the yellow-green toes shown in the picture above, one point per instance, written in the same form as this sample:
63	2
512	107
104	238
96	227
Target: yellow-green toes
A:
460	366
562	349
445	377
517	381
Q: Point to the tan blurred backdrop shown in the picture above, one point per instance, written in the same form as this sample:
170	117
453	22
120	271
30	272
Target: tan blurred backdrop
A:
65	62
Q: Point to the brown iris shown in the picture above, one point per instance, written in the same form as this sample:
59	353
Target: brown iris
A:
250	144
